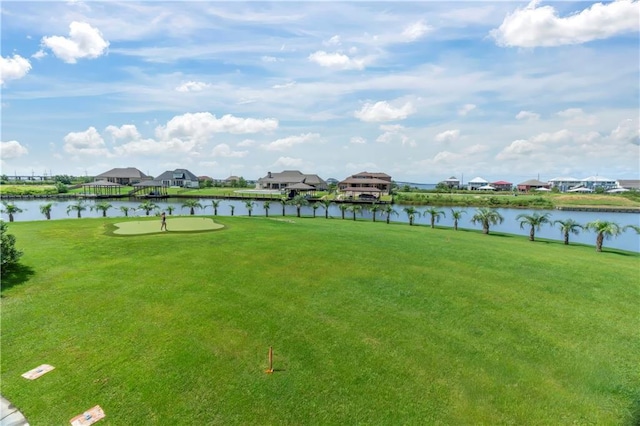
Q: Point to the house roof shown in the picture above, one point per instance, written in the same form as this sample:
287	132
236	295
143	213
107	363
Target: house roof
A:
629	183
487	188
478	180
101	183
170	175
127	172
533	182
596	179
352	180
291	177
301	186
501	182
374	175
452	179
564	179
149	183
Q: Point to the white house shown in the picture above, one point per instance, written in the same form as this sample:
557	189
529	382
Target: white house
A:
476	183
593	182
179	177
565	183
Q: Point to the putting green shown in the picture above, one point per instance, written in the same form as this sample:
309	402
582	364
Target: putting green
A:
174	224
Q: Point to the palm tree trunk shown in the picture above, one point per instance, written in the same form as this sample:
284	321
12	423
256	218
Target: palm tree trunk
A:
599	240
566	238
455	225
104	213
485	229
433	221
10	217
532	234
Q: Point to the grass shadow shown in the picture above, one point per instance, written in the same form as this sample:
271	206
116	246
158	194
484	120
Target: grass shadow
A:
15	275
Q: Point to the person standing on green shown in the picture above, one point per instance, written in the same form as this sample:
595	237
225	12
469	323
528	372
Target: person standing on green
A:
163	226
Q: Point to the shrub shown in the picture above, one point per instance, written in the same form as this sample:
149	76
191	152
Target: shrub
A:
9	254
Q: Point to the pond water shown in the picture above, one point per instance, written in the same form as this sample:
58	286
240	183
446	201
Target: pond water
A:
628	240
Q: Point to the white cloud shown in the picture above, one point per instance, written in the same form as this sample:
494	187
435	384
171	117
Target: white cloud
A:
288	142
333	41
466	109
88	142
192	86
336	60
358	140
39	54
202	125
287	162
577	117
448	136
527	115
534	26
246	143
269	59
13	68
414	31
284	86
395	133
84	41
224	150
12	149
127	132
628	131
383	111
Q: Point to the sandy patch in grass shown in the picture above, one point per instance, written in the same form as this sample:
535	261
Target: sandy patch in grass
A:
178	224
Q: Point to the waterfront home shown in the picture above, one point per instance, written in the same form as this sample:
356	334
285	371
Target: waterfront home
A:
366	185
565	183
593	182
502	185
123	176
631	184
475	183
532	184
293	180
182	178
451	183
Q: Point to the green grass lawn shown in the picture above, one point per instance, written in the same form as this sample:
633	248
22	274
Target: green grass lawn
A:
370	324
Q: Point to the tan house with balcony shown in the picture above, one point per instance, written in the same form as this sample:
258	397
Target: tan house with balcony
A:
366	185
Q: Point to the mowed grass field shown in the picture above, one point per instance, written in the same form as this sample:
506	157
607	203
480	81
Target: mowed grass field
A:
370	324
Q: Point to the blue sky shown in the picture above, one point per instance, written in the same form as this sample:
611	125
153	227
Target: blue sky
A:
419	90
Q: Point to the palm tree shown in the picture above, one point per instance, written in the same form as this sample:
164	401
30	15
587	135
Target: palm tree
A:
126	210
249	205
343	208
266	206
299	201
568	226
604	229
170	209
284	203
435	215
315	206
411	214
388	210
535	222
355	208
233	208
487	217
325	204
102	206
634	227
215	204
192	205
11	209
148	207
45	209
373	209
78	206
456	215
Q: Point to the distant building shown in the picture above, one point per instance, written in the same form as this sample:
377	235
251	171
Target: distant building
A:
502	185
366	184
452	183
593	182
476	183
631	184
123	176
564	183
182	178
532	184
293	180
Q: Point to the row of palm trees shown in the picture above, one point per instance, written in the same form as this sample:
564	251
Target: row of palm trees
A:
486	217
